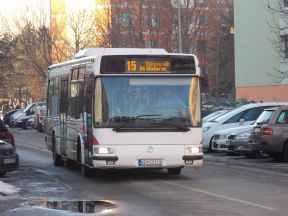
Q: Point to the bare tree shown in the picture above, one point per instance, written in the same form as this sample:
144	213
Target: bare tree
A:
79	30
279	27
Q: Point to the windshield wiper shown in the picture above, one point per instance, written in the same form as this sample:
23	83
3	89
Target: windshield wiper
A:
133	120
175	125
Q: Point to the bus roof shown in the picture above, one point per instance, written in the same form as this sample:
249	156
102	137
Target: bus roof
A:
90	54
117	51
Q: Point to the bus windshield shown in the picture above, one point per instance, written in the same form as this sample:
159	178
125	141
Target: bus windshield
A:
147	102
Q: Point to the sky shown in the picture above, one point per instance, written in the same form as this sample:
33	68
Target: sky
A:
10	9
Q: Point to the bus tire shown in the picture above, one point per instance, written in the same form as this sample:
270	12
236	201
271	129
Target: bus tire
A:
57	159
86	171
174	171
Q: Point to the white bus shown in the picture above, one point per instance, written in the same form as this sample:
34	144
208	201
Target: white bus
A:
122	108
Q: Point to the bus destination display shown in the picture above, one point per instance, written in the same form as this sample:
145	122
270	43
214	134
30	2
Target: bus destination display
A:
148	65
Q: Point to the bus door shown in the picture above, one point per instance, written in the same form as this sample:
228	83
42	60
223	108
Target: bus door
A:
88	125
63	113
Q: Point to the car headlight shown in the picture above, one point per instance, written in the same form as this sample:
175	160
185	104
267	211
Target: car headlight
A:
103	150
205	129
243	135
193	149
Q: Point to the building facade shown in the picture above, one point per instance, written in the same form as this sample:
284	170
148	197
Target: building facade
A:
257	60
204	30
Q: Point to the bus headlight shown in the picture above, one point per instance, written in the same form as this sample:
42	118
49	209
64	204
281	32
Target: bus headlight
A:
103	150
193	149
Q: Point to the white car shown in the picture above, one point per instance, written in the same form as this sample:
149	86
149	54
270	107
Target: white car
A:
243	115
219	141
214	115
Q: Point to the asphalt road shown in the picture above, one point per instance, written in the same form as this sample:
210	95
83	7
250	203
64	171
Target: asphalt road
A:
223	186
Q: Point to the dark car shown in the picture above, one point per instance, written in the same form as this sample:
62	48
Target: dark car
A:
9	160
272	137
7	116
22	122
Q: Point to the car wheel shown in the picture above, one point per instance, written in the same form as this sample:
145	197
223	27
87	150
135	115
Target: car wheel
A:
2	173
285	152
210	145
174	171
57	159
258	154
277	157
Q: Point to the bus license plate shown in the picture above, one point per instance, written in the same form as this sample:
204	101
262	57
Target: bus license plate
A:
150	162
9	160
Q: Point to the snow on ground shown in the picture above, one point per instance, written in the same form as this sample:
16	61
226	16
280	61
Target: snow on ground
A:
7	189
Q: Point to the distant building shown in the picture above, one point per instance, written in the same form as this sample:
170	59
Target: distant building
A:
205	31
256	57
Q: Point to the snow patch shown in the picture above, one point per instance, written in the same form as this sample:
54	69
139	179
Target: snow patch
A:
7	189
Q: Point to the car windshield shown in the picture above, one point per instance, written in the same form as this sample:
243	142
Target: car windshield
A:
228	114
147	102
214	115
28	108
264	117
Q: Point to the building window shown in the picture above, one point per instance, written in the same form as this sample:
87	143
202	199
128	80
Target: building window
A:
152	20
201	45
201	20
124	19
200	1
285	40
285	3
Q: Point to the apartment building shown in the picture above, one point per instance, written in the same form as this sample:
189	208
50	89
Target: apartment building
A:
258	59
204	27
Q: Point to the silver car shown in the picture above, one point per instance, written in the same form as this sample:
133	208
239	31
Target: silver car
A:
272	137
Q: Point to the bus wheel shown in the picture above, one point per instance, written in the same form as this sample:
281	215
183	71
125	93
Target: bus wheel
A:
174	171
86	171
57	159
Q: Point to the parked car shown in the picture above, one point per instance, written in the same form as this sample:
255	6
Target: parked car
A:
220	139
9	160
30	123
7	116
214	115
5	135
29	110
272	137
39	117
239	142
22	122
243	115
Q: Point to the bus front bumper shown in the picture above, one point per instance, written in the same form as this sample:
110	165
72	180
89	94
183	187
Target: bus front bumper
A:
107	162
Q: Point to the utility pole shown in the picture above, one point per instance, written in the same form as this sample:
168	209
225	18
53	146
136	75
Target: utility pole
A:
179	28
